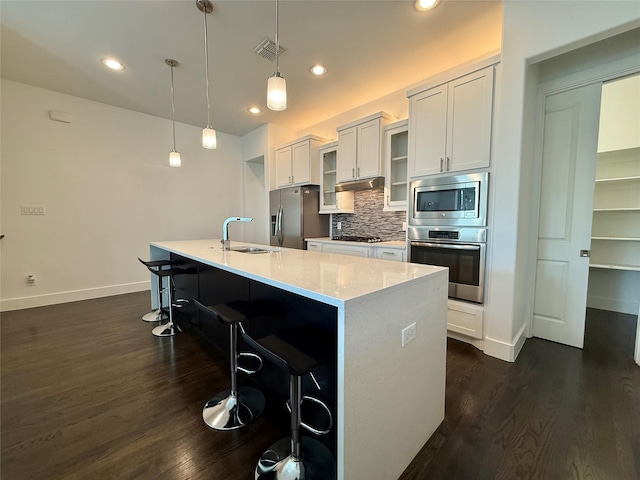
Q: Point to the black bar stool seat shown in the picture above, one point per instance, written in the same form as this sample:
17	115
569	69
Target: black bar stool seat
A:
159	314
237	406
297	350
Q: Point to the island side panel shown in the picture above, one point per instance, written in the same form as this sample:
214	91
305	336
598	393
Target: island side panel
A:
391	397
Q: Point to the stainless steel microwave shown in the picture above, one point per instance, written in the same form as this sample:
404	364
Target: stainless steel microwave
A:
451	200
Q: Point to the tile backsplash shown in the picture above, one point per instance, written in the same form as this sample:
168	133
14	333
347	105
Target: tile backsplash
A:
368	218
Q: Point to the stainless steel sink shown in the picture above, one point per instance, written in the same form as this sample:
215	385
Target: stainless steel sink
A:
249	250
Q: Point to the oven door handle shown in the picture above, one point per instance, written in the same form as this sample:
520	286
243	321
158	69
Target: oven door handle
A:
446	245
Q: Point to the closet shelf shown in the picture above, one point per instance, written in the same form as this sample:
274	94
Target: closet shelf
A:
620	209
622	239
629	268
618	179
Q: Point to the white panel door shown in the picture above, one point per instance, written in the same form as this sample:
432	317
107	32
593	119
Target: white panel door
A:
566	201
368	164
469	121
301	163
428	132
283	167
347	149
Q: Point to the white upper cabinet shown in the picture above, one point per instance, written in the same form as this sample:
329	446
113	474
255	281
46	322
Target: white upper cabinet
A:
395	160
330	201
297	162
360	147
450	125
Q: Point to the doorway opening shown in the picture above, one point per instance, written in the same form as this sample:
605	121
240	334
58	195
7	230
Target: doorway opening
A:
614	267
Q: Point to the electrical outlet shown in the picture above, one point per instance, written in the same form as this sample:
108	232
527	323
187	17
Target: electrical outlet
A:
404	226
339	225
32	210
32	280
409	333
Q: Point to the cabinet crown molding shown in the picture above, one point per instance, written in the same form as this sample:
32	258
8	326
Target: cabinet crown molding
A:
384	115
456	72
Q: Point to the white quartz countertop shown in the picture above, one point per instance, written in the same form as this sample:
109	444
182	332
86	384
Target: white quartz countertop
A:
329	278
389	244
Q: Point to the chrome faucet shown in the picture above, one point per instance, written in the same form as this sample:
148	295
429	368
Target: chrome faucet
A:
226	243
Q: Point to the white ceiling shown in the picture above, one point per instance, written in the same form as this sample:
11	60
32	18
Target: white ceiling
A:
370	48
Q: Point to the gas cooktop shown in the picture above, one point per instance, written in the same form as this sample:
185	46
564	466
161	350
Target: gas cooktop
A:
354	238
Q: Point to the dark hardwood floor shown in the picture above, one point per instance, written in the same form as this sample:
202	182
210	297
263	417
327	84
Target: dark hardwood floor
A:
88	392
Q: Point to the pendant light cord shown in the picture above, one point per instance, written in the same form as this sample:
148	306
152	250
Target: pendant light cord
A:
206	65
277	42
173	112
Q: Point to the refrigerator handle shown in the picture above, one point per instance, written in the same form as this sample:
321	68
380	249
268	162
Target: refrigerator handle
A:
279	226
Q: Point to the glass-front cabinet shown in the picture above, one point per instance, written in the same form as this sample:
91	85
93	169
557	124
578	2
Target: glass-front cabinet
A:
395	189
330	201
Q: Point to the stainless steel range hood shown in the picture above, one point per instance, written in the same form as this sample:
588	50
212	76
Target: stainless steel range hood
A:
365	184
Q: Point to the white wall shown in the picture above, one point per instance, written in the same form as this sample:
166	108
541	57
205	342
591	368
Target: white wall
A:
620	114
107	190
532	31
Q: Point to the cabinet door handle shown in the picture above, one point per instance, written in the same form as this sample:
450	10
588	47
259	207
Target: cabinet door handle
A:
448	163
358	171
291	178
441	164
353	173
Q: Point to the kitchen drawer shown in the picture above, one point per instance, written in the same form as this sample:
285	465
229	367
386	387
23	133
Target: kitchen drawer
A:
465	318
394	254
353	250
314	246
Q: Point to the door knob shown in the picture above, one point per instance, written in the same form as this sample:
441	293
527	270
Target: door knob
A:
585	253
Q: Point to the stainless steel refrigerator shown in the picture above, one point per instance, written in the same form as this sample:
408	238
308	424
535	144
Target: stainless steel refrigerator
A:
294	216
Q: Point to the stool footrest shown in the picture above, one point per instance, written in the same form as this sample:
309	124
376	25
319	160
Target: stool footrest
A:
311	428
255	356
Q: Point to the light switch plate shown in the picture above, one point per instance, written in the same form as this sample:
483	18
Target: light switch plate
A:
409	333
32	210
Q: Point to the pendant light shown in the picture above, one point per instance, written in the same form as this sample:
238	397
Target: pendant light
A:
276	85
174	156
209	139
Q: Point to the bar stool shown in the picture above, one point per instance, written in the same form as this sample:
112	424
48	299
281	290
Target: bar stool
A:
170	328
298	351
157	315
237	406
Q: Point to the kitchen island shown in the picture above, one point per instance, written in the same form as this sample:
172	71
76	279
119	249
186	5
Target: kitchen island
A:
389	397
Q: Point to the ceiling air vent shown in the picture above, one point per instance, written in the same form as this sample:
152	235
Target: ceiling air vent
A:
267	49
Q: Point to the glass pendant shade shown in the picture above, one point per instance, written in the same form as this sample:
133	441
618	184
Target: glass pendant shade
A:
174	159
276	92
209	139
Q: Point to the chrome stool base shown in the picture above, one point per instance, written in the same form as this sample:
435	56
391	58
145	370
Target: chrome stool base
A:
228	412
168	330
316	462
155	316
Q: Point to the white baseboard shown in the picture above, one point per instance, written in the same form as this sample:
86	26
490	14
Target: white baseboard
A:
612	305
503	350
71	296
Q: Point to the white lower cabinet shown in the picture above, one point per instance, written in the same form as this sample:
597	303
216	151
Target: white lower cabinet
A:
314	246
353	250
367	250
465	318
394	254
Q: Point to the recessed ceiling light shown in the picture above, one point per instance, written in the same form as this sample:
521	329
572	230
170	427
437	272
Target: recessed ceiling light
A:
318	70
112	63
424	5
254	110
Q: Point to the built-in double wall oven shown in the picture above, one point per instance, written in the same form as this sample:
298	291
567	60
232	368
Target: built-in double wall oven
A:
448	227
